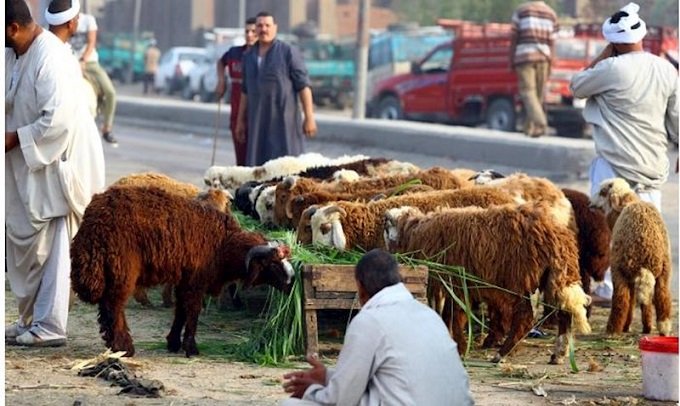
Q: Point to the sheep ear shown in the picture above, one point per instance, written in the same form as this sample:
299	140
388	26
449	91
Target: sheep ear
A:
615	202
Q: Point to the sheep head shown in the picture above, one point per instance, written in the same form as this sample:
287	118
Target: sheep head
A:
486	176
242	200
264	205
212	176
282	200
304	229
614	194
216	198
327	227
346	175
268	264
391	225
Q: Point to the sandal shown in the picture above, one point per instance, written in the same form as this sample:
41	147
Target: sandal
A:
30	339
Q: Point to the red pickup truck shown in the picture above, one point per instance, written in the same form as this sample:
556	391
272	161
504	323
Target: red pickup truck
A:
469	81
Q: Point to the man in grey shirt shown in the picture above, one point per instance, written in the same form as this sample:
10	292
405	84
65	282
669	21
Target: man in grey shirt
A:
633	106
397	351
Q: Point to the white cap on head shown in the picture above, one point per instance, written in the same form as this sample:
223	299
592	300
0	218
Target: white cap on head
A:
63	16
626	28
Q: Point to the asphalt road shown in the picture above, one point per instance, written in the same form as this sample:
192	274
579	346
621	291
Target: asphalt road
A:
186	156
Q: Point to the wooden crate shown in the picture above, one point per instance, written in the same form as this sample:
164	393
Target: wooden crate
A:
333	287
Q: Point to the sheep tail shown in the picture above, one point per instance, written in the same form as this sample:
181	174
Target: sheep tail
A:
87	273
644	286
574	300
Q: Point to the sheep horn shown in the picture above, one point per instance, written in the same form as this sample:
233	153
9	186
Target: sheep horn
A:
334	209
288	182
311	210
259	251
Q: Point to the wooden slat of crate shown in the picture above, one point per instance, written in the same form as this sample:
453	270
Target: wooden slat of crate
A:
334	287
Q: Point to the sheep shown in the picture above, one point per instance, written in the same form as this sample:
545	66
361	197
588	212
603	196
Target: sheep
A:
231	177
518	248
345	225
438	178
594	238
640	259
144	237
296	206
264	205
328	171
532	188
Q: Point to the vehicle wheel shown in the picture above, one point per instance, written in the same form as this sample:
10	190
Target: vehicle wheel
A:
571	130
501	115
187	94
206	96
389	109
168	87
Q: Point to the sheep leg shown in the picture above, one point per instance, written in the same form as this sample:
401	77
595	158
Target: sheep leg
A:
141	297
120	334
621	304
174	337
193	304
522	319
456	329
105	319
167	295
497	329
585	282
647	317
662	303
631	309
562	339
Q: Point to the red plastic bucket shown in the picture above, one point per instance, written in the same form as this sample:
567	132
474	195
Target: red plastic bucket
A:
660	367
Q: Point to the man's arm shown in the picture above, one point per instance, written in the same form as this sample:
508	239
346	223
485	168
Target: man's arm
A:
11	140
671	120
91	40
595	78
221	86
309	124
241	118
348	383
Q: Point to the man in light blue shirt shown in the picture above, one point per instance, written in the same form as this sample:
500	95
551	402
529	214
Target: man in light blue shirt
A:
397	351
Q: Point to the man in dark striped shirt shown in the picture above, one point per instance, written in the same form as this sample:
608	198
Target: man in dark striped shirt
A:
534	25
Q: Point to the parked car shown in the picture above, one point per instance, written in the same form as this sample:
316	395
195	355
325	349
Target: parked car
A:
174	66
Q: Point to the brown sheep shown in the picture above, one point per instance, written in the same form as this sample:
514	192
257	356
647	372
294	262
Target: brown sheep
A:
347	225
640	259
594	238
220	200
144	237
296	206
438	178
517	248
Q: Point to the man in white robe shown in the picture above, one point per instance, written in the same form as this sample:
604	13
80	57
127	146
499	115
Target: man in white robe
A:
43	184
397	351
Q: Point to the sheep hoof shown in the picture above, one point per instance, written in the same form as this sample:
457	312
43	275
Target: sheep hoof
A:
556	360
191	351
497	358
174	345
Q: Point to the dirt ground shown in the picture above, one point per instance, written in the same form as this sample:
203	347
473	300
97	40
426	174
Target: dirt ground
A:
610	368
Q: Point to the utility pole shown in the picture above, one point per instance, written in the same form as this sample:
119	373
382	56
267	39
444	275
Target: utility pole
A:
359	110
135	38
241	13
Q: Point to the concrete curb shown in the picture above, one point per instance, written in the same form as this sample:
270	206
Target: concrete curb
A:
567	157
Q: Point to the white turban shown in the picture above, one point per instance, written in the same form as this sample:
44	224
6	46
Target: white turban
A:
63	17
628	29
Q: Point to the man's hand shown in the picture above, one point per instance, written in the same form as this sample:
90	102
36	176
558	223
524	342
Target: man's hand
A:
298	382
11	140
219	89
607	52
309	127
240	132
